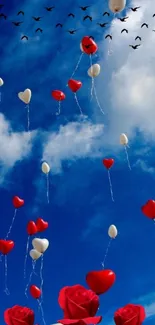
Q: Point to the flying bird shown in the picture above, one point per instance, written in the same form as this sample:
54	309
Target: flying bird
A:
135	9
3	15
135	47
88	17
39	30
84	8
124	30
138	37
72	32
37	18
49	8
18	23
146	25
71	15
58	25
24	37
123	19
106	13
102	25
108	36
20	13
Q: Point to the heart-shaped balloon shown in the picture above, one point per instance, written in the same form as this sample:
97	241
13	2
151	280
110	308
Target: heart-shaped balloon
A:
58	95
35	292
74	85
25	96
108	162
100	281
41	225
149	209
6	246
31	228
40	244
88	45
35	254
17	202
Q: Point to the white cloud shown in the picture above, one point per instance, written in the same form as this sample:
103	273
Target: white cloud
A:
13	146
132	74
72	141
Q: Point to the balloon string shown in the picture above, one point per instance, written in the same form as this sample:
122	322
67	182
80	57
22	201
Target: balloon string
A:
30	277
25	261
110	184
47	179
98	101
13	219
28	117
92	78
59	108
78	63
127	157
42	312
6	290
77	102
41	275
106	253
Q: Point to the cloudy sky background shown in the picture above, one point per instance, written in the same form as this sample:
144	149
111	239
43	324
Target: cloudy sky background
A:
80	209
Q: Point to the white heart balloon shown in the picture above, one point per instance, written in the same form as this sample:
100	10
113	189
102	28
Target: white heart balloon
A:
40	244
35	254
1	82
25	96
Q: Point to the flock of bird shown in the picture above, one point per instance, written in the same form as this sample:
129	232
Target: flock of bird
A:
73	31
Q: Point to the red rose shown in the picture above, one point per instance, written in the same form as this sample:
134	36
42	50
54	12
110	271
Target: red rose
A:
79	305
19	315
130	315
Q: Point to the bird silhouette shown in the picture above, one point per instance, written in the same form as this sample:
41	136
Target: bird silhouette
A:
3	15
18	23
84	8
102	25
108	36
71	15
20	12
37	18
135	47
124	30
39	30
49	8
106	13
138	37
24	37
1	6
135	9
123	19
72	31
146	25
88	17
58	25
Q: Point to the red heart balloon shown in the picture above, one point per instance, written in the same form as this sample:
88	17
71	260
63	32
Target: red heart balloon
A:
88	45
100	281
108	162
35	292
149	209
31	228
41	225
74	85
6	246
58	95
17	202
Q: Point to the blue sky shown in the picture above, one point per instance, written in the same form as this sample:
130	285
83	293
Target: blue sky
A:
80	209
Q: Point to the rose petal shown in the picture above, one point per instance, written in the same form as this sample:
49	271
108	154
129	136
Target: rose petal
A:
76	311
62	297
84	321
